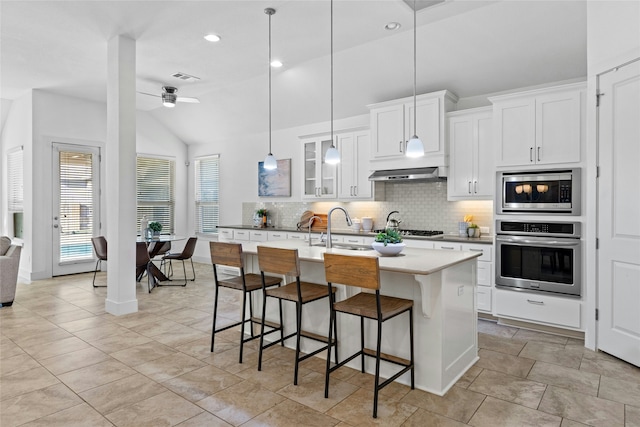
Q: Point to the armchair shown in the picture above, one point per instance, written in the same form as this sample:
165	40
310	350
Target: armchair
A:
9	264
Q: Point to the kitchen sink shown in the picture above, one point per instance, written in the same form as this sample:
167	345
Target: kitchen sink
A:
347	246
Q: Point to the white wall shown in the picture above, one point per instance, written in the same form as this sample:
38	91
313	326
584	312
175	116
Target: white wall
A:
613	38
17	131
38	120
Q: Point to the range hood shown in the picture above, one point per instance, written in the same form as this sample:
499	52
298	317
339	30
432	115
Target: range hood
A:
399	175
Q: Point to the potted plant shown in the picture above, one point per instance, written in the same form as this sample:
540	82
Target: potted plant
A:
473	230
262	213
155	227
388	243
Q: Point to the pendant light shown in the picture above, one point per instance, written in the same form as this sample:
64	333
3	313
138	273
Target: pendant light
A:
332	156
270	162
415	148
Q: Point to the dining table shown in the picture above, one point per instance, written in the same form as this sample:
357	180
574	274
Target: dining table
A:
154	245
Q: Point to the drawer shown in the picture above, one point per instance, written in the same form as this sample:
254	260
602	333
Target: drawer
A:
448	246
538	308
484	273
353	239
487	251
414	243
483	298
225	234
241	235
276	235
258	236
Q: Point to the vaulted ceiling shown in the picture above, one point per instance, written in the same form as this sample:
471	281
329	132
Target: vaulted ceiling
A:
469	47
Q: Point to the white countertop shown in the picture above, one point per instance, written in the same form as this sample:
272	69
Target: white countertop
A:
410	261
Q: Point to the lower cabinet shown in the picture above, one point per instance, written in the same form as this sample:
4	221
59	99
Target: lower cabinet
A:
540	308
484	288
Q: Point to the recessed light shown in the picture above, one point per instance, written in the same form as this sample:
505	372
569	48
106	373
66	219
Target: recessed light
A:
276	64
212	38
392	26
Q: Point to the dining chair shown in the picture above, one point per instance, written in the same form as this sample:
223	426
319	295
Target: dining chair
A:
100	248
142	265
230	255
364	272
186	254
286	262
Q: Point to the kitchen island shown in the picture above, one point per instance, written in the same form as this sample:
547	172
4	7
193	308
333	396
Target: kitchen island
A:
441	283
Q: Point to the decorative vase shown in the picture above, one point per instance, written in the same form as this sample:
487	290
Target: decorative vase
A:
391	249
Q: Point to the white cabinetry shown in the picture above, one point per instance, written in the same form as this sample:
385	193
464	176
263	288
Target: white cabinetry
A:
277	235
539	308
484	288
392	125
472	170
544	126
320	178
353	169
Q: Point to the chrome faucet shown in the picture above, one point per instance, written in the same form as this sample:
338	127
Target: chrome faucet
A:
309	226
349	223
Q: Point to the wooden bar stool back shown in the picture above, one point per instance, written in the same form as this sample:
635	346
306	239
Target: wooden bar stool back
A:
364	272
286	262
230	255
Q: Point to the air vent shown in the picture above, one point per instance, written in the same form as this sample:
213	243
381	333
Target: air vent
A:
185	77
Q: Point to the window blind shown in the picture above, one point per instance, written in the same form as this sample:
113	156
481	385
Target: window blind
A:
76	205
15	178
207	183
155	182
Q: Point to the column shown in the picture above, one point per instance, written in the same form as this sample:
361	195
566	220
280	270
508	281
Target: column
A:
121	175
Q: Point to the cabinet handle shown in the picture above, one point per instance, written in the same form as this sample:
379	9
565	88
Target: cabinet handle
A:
447	247
538	153
400	146
530	301
476	250
355	190
531	154
469	186
475	187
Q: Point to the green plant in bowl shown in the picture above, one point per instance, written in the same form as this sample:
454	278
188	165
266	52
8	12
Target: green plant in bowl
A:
388	236
155	226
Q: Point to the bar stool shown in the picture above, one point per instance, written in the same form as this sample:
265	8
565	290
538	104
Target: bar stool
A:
286	262
364	272
230	254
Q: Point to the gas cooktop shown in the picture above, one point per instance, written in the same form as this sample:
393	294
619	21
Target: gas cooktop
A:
422	233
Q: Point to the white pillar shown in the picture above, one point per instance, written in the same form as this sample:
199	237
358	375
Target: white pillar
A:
121	175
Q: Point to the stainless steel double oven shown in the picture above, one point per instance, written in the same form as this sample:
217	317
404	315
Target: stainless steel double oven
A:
539	256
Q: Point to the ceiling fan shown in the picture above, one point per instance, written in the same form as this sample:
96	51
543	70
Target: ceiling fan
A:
169	97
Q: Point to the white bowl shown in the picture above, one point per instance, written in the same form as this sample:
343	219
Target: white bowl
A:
392	249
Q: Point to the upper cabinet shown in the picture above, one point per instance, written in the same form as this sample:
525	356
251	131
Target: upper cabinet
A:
471	169
541	127
392	126
349	179
320	178
353	169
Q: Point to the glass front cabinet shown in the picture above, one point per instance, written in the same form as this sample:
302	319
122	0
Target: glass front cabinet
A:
319	177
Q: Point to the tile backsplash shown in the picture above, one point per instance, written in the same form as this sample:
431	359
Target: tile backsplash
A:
421	205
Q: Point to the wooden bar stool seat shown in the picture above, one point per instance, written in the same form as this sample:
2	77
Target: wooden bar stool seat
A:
285	262
364	272
230	254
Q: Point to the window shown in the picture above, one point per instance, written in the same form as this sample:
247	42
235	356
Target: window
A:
207	184
155	182
15	180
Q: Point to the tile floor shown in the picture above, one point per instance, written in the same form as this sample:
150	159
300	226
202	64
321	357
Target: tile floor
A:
65	362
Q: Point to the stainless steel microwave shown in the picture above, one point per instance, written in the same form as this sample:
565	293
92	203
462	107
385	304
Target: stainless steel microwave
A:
544	192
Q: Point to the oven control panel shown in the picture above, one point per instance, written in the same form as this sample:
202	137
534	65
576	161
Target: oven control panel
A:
527	228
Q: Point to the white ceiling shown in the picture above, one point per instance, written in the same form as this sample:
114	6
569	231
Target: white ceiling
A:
469	47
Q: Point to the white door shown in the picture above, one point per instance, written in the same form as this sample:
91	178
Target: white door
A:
619	213
76	196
